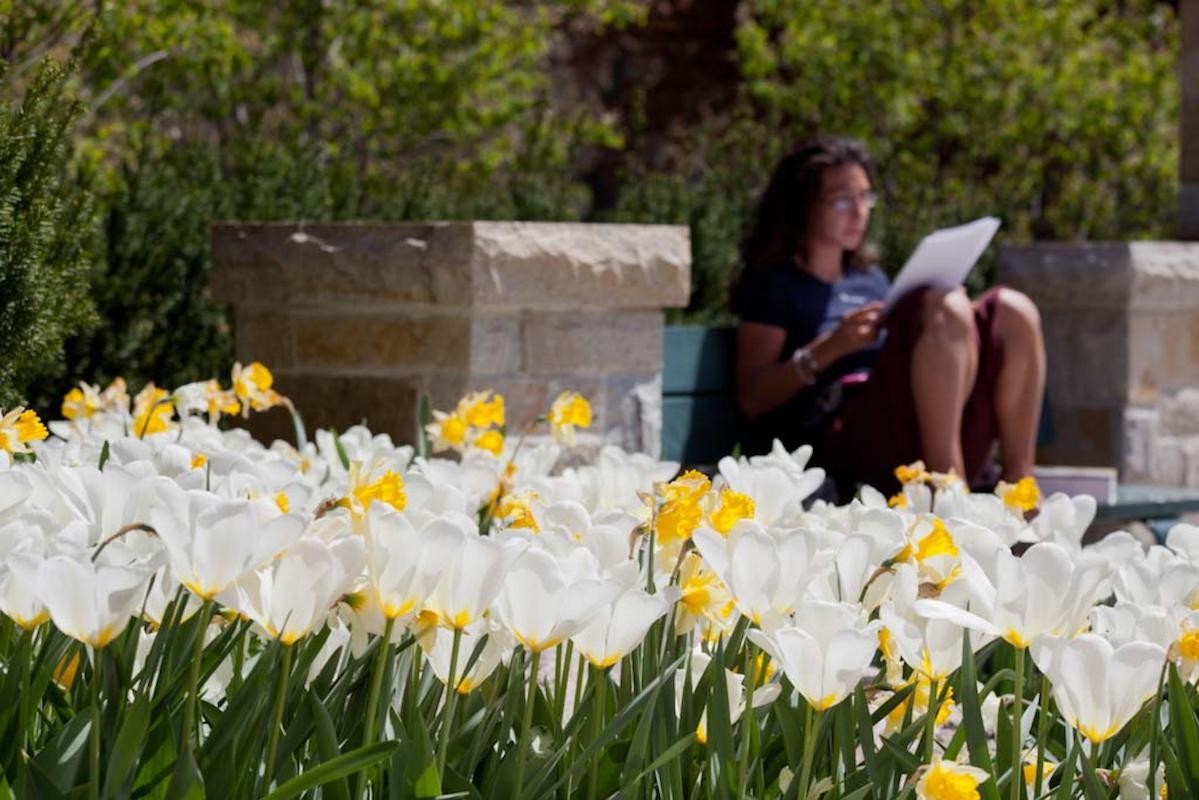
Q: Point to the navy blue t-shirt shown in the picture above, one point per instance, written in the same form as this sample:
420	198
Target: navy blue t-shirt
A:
804	306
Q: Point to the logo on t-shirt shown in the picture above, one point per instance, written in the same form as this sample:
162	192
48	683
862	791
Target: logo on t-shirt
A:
852	299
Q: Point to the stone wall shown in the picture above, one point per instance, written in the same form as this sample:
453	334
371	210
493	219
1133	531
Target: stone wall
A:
1121	324
357	320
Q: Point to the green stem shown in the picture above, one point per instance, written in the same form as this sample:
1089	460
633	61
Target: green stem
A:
526	722
930	722
1017	712
443	741
277	719
193	681
1154	728
597	720
372	698
747	723
811	727
93	786
1042	734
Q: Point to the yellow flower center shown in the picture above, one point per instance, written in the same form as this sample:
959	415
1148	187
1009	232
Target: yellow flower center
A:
199	460
1024	495
490	440
734	506
453	429
388	489
1188	644
942	783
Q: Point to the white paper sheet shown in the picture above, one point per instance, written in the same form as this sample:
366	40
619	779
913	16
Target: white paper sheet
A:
944	258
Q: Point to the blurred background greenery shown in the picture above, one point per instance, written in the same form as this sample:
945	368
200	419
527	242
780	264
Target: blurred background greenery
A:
127	127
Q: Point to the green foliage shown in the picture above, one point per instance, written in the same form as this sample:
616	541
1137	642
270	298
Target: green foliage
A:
390	109
46	231
1059	117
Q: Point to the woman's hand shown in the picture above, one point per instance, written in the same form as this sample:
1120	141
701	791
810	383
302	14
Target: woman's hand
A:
858	329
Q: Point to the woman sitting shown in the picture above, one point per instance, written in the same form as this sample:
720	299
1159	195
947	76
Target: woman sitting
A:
938	379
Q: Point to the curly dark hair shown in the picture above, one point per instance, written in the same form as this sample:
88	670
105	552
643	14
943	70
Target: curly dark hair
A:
781	222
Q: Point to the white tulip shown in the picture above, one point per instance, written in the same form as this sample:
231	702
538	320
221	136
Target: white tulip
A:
438	646
543	604
767	576
1099	688
89	602
212	542
825	653
619	626
292	596
404	564
474	576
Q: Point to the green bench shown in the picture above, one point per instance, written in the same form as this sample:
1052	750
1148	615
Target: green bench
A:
699	422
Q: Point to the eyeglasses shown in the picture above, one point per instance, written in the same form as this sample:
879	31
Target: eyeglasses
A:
845	203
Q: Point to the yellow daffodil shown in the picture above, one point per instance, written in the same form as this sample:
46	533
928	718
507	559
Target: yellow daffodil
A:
252	387
702	595
734	506
1023	495
152	411
18	428
949	780
447	431
85	400
517	511
912	473
680	514
490	440
482	409
569	411
361	491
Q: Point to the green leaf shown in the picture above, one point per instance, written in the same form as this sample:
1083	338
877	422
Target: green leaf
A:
127	748
972	719
340	767
103	456
1092	789
341	451
1065	775
326	743
61	758
1186	731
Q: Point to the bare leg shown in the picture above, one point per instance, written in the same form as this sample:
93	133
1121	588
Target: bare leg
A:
1021	382
944	366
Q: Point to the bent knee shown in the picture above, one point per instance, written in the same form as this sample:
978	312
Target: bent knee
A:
1017	314
948	314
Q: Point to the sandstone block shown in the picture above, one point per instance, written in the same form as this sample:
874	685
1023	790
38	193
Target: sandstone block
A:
263	265
496	343
1180	413
400	344
267	338
1190	451
569	266
1169	462
1140	432
624	341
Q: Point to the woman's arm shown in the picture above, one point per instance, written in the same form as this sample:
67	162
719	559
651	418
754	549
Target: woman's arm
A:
765	383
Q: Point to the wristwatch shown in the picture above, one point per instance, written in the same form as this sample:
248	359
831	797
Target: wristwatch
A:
805	365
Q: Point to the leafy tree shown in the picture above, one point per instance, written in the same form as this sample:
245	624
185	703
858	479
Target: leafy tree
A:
46	232
1059	117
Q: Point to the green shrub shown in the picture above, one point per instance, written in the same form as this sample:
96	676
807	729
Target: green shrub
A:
46	232
1058	117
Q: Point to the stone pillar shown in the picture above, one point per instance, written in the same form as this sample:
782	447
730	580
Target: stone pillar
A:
357	320
1188	78
1121	324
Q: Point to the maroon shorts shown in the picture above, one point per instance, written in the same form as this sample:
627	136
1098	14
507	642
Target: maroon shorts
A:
877	430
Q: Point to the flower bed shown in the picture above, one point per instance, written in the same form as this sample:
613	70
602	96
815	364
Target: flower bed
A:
189	612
